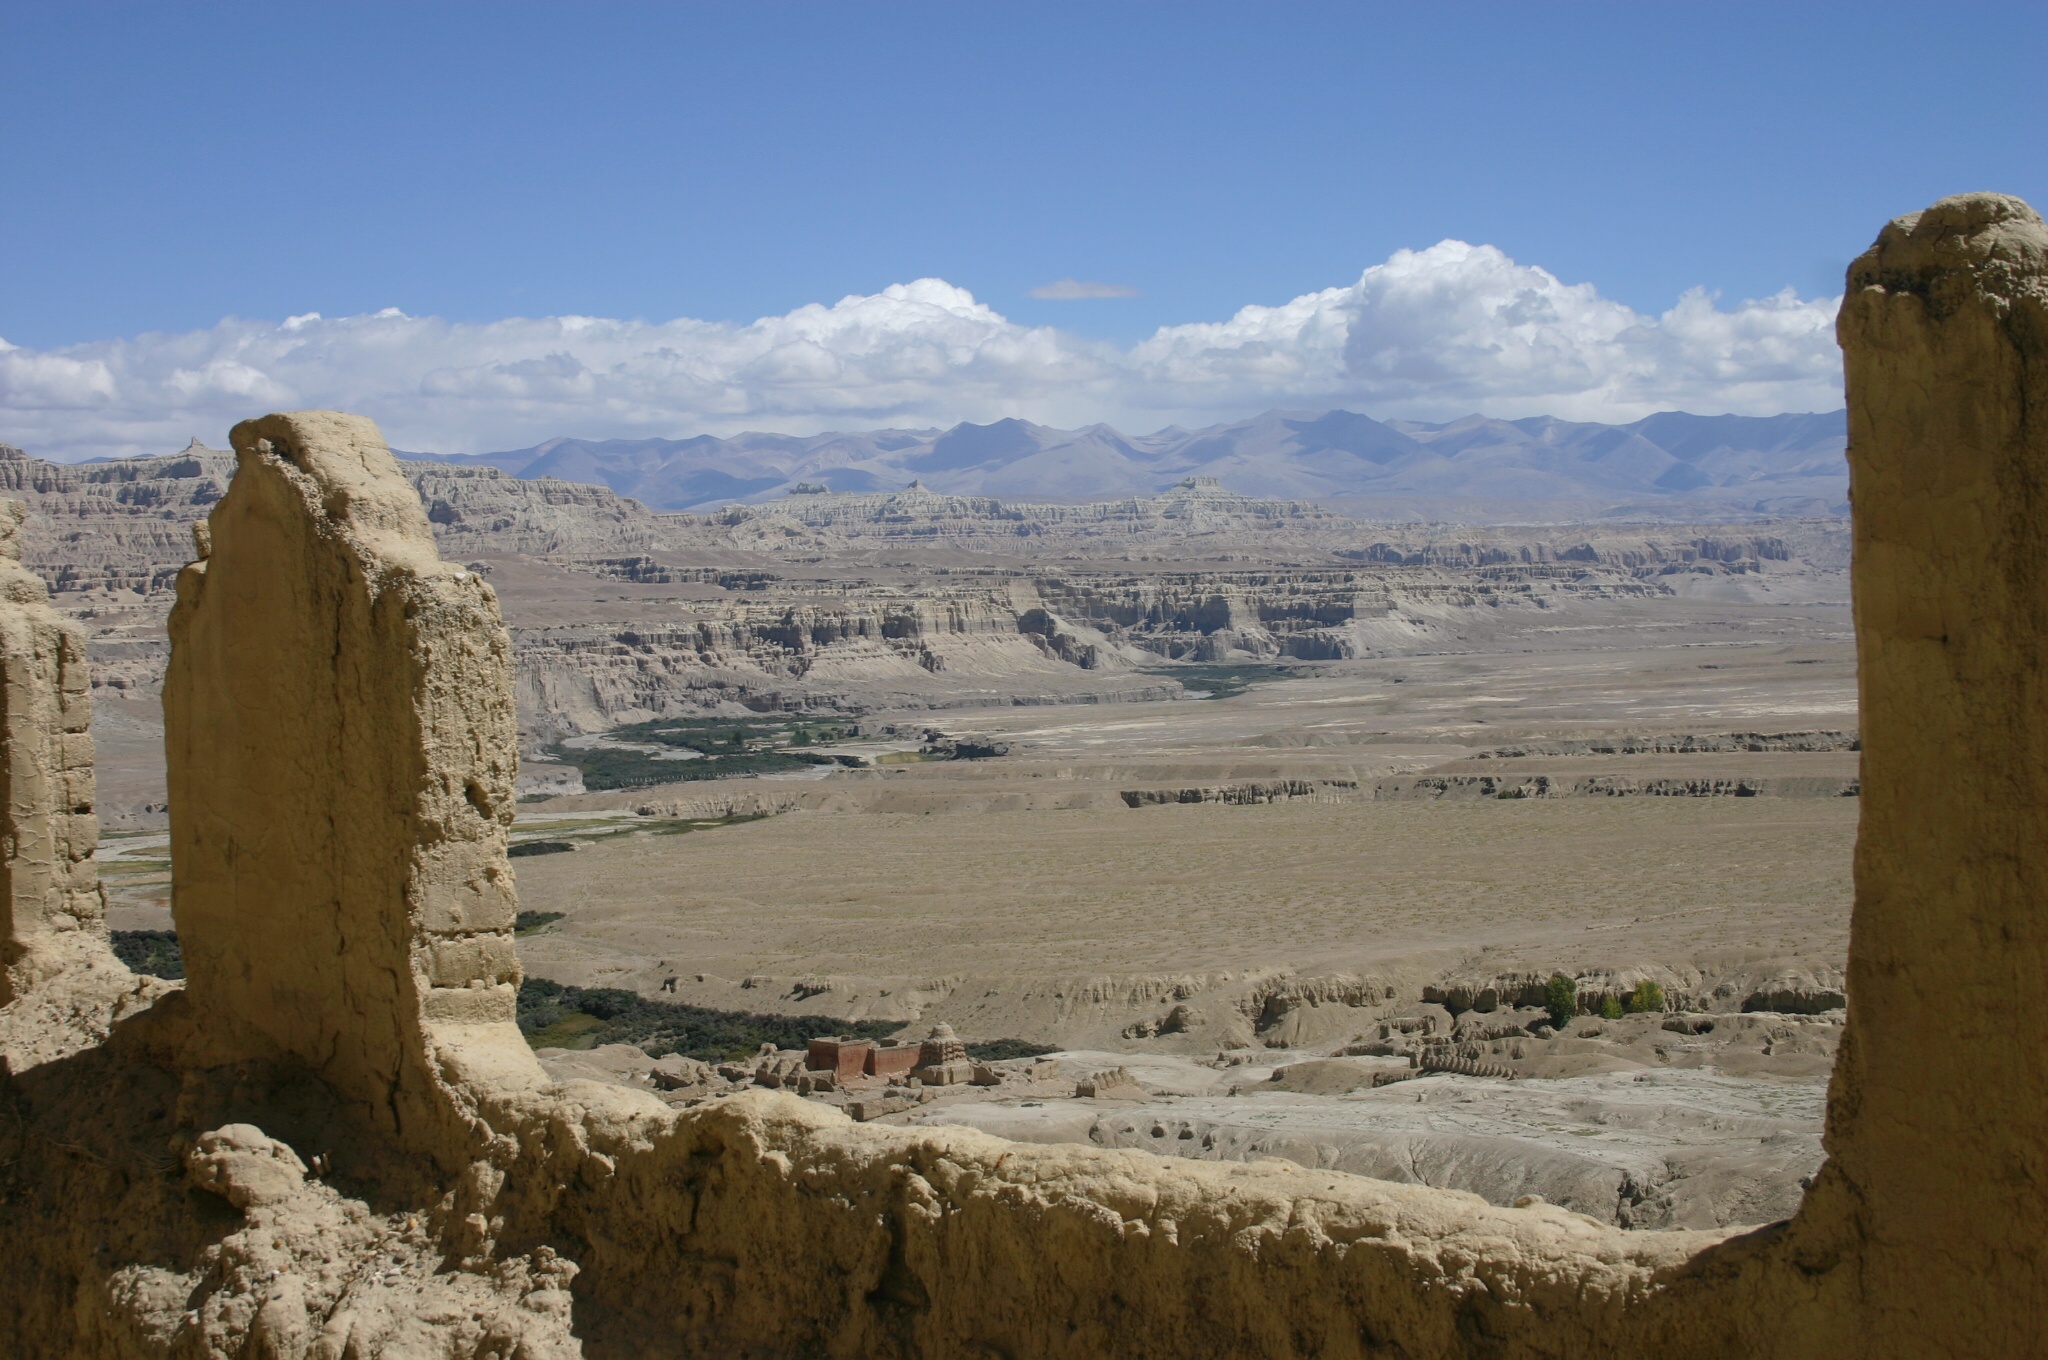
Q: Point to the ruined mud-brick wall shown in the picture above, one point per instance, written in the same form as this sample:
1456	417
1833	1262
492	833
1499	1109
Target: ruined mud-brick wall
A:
1938	1122
342	749
764	1225
61	988
50	899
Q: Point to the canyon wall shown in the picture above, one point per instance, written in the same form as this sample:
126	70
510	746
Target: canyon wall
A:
792	605
126	523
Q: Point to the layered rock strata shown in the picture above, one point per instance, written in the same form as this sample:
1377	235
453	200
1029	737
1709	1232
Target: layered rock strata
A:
787	605
125	524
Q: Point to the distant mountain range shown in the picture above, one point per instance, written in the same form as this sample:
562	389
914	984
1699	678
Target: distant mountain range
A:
1670	463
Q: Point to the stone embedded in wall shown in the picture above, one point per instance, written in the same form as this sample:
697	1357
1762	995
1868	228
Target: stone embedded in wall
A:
342	750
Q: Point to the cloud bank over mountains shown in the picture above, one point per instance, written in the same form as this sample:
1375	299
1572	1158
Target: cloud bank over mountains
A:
1428	335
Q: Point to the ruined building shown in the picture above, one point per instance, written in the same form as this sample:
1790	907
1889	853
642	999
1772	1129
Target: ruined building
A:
333	1142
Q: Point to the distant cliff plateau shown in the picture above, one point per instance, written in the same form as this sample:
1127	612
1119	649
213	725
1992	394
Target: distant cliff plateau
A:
1672	465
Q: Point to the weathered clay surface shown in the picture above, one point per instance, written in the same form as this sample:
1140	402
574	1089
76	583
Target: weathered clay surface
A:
51	890
1939	1159
59	984
342	751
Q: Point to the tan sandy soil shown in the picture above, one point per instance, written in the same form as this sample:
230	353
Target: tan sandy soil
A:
1197	888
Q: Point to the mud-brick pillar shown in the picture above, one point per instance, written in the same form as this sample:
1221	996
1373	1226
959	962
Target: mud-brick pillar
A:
342	748
52	915
1938	1117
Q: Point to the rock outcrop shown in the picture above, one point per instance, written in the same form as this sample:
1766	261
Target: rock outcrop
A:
787	605
126	523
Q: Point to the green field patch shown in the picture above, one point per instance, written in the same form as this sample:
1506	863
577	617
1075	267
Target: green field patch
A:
679	826
606	768
726	748
997	1050
550	1012
1225	679
524	849
569	1029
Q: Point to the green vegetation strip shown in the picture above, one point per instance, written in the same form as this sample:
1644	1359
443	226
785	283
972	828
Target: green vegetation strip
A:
726	749
556	1016
1225	679
553	1015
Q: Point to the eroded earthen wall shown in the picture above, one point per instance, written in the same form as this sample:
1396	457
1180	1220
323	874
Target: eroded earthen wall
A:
1938	1121
51	910
342	749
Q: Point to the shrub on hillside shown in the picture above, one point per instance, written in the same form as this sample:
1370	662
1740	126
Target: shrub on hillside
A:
1647	996
154	952
1561	999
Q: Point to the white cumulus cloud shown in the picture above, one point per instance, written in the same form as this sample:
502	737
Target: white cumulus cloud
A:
1430	334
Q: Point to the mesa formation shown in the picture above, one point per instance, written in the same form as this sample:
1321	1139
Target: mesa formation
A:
915	924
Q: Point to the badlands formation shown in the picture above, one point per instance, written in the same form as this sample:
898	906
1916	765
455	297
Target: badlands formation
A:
335	1141
1433	764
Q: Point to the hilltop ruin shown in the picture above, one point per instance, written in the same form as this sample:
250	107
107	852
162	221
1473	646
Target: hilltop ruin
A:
334	1142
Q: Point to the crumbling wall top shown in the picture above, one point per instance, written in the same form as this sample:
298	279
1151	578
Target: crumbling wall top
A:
342	748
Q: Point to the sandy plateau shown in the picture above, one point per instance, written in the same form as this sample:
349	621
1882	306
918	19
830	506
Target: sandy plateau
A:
1289	815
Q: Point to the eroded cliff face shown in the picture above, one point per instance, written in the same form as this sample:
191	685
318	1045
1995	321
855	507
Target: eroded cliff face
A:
976	602
764	1225
126	524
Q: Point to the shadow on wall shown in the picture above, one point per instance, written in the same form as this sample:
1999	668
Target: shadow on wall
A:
366	1161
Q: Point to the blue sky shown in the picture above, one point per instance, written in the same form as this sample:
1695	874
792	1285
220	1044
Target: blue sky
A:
164	167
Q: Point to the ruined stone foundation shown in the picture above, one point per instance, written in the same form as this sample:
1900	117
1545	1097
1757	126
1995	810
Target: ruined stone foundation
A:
333	1144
